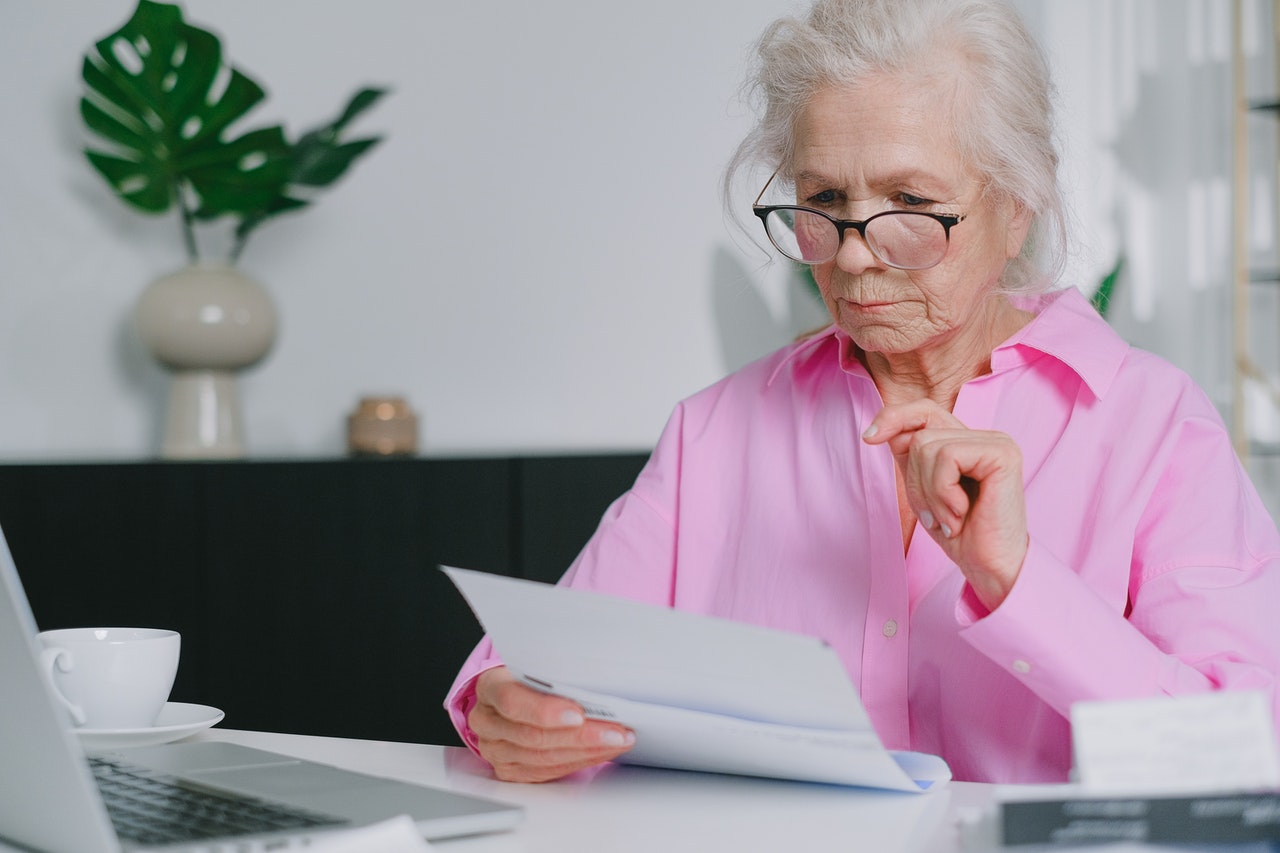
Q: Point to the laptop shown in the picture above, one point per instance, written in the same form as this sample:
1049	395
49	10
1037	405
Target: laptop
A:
56	795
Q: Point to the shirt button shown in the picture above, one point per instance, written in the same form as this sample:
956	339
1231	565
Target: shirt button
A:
890	628
1021	666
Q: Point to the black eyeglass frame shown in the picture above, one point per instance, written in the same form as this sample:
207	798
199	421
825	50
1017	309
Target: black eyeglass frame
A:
946	220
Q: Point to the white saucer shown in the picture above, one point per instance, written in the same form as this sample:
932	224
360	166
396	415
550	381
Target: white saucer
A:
176	721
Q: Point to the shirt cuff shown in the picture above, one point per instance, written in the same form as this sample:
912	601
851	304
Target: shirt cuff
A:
1061	639
461	698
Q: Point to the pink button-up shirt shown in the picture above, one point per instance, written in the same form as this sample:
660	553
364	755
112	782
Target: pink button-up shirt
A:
1153	567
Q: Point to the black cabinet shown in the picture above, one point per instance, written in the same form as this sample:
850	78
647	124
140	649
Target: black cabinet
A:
306	592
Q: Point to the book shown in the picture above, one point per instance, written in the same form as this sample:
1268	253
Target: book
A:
1080	818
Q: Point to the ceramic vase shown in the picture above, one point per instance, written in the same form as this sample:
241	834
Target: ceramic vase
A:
205	323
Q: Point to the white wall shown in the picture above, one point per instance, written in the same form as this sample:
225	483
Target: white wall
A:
1146	110
536	257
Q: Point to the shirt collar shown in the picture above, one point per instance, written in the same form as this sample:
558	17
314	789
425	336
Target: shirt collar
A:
808	349
1066	327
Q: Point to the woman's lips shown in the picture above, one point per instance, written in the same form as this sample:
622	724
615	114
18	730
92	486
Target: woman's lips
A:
868	305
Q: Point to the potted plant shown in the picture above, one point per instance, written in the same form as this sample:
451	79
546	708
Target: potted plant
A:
161	100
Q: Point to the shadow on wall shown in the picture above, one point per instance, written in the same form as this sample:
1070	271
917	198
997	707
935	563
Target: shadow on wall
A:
145	378
759	311
1172	152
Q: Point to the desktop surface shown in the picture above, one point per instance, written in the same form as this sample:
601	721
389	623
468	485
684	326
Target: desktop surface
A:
623	809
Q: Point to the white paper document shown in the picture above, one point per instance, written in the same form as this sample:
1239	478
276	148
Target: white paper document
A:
397	835
1221	741
700	692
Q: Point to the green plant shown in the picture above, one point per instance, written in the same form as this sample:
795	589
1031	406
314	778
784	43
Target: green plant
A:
160	94
1101	298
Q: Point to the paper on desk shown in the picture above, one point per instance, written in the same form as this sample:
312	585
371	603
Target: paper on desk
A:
679	738
1222	741
701	693
397	835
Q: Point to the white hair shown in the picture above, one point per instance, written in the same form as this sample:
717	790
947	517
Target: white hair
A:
1002	119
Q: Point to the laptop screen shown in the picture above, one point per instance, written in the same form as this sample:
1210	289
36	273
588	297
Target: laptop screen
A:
50	801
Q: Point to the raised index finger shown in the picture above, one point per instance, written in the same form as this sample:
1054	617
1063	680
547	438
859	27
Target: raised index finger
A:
898	418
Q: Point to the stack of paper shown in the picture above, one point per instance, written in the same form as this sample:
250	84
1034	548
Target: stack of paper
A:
701	693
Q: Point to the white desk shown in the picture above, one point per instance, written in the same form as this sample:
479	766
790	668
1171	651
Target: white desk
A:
624	809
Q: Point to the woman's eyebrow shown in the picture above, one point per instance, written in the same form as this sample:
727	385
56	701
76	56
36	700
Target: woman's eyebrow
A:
900	178
809	177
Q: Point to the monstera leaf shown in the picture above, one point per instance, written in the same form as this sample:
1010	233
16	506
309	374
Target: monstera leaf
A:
163	100
159	93
317	159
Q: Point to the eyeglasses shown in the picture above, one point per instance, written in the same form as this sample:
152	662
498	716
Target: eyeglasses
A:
902	239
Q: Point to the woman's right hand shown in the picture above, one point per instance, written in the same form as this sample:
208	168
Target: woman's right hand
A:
530	736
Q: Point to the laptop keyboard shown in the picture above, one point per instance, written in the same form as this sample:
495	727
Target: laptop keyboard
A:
151	808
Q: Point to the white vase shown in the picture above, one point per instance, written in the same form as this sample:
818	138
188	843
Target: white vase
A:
205	323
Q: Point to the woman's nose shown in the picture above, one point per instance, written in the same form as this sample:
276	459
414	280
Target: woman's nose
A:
855	256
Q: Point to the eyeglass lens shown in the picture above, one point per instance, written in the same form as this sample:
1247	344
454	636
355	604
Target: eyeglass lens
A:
902	239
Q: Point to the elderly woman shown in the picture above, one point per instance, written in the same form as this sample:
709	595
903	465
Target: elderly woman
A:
1072	523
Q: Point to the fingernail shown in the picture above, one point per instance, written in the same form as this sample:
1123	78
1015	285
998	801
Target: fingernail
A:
926	518
572	718
946	531
610	737
871	430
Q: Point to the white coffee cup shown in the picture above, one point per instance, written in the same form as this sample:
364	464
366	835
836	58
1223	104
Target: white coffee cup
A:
111	678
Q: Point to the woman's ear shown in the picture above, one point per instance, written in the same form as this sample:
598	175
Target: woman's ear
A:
1019	223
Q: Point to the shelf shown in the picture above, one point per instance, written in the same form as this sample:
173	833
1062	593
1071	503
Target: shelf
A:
1260	449
306	593
1253	355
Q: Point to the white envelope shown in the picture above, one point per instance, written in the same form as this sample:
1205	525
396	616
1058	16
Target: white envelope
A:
700	692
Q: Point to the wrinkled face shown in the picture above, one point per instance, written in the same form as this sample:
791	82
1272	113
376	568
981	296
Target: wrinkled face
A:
886	145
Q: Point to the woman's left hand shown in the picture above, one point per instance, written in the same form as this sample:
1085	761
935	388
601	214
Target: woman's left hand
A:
965	486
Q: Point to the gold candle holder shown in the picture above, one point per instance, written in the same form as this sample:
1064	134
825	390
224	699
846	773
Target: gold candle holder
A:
382	426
